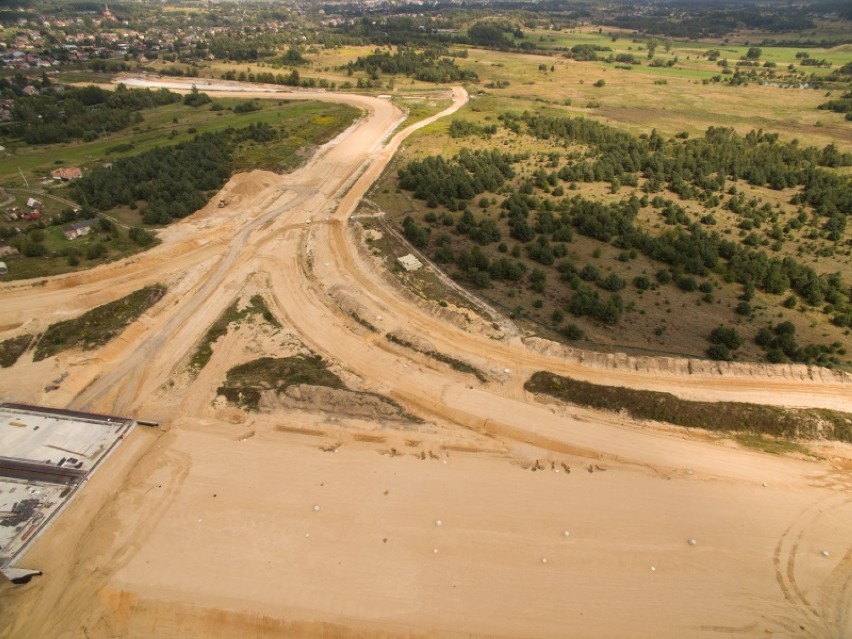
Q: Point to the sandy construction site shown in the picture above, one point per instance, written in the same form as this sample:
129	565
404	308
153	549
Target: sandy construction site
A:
476	510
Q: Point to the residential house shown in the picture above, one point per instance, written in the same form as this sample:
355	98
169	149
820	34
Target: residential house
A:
78	229
66	173
7	249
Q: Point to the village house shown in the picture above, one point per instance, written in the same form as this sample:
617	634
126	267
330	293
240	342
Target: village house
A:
6	249
66	173
78	229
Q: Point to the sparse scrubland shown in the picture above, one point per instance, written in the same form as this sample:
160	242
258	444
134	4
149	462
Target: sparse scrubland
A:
671	208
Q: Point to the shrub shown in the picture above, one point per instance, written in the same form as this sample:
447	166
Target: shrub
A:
719	352
572	332
726	336
743	308
613	282
641	282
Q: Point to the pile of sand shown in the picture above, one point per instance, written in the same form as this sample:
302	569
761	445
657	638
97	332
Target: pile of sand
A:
333	400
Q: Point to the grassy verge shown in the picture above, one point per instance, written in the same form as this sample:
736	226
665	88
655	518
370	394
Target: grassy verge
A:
452	362
11	349
245	383
98	326
420	109
204	351
769	444
751	420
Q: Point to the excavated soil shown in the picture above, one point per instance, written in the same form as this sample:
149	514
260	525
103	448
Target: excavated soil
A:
496	515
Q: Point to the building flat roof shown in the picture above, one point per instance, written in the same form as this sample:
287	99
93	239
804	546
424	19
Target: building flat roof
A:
410	262
45	454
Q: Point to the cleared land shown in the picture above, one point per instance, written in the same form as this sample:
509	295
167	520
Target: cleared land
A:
315	522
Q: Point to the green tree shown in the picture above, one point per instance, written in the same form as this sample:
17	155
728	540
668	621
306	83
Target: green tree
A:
753	53
196	99
653	43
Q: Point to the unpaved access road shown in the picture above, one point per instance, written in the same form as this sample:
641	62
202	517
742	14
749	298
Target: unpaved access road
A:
309	522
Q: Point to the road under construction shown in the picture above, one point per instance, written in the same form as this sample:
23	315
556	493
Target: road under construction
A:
301	519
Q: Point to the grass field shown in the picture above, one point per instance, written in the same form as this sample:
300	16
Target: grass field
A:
170	125
632	100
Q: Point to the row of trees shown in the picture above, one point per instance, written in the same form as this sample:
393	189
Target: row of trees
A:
713	22
292	79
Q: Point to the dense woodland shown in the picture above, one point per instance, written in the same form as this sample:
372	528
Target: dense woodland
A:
172	181
80	113
540	214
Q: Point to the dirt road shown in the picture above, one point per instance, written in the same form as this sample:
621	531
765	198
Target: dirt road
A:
214	530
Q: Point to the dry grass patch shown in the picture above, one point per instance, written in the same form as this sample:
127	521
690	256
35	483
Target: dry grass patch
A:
11	349
245	383
98	326
256	307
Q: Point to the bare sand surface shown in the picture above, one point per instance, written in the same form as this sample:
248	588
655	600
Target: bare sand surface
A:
306	521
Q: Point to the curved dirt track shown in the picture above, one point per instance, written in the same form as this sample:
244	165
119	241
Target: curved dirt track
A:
139	564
